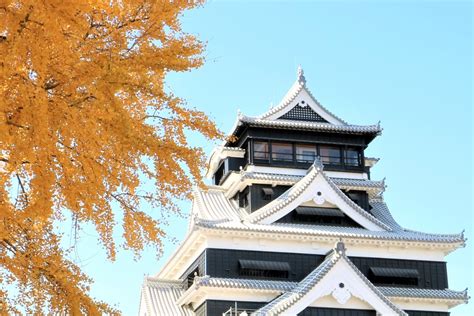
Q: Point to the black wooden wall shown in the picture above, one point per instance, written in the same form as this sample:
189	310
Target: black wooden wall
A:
323	311
225	263
216	308
257	196
198	265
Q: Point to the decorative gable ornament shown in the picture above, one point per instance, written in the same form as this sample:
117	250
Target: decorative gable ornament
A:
341	294
336	276
316	186
319	198
301	77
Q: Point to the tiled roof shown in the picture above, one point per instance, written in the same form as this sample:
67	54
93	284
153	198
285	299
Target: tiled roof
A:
358	183
268	285
445	294
160	298
333	232
381	211
287	299
344	183
215	211
290	96
233	149
300	187
213	205
313	126
271	177
220	153
284	286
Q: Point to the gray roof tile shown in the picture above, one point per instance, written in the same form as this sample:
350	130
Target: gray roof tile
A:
284	286
160	298
313	126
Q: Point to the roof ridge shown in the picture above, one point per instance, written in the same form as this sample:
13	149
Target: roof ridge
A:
291	94
248	118
154	281
288	299
299	187
333	231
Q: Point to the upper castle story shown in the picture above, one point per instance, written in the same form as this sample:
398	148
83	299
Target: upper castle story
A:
288	138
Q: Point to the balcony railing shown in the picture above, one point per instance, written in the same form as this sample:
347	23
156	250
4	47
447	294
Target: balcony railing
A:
235	311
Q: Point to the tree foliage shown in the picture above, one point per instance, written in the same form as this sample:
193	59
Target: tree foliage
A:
84	118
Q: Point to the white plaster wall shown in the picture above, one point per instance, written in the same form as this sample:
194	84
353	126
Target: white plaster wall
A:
321	248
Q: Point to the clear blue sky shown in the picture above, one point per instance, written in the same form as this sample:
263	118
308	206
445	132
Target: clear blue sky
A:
407	64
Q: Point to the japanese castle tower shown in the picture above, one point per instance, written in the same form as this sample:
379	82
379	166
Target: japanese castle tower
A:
294	225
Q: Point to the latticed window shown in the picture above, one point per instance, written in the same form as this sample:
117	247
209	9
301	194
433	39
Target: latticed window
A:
352	157
264	269
305	153
282	151
260	150
299	113
394	276
330	154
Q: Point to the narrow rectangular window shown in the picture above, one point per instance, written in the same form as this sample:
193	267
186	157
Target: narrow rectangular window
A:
267	193
282	152
244	198
352	157
394	276
264	269
330	154
305	153
260	150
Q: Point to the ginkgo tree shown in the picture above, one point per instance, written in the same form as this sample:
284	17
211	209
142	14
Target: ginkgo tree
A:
84	118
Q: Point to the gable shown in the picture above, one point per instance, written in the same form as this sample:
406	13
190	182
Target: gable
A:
302	113
298	98
319	190
326	216
336	277
345	286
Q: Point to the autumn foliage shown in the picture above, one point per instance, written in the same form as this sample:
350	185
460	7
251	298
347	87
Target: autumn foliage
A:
84	118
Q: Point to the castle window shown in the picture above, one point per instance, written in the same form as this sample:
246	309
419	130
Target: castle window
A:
352	157
282	152
190	278
305	153
360	198
394	276
260	150
330	154
264	269
267	193
244	198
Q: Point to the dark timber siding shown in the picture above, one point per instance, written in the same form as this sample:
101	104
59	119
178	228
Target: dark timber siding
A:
433	275
323	311
306	136
216	308
226	166
199	264
224	263
256	195
201	310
